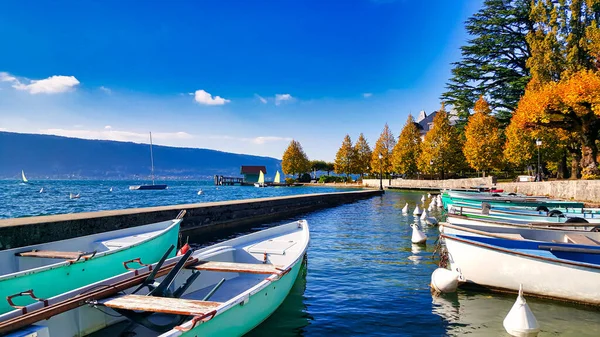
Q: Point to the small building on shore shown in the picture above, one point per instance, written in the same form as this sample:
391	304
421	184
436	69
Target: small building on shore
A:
251	173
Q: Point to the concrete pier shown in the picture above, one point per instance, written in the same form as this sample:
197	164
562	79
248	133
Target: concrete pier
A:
201	218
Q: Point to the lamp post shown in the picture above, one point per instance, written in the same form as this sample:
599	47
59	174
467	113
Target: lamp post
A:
380	173
538	143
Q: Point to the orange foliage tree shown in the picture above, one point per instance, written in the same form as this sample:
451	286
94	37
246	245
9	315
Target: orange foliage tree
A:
482	145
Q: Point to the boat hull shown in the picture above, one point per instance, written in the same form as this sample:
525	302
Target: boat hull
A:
464	220
148	187
64	277
240	319
506	270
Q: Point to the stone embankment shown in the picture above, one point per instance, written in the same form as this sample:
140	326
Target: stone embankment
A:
201	218
411	184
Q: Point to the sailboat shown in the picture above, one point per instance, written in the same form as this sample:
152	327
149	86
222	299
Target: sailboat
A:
23	176
277	180
261	180
153	186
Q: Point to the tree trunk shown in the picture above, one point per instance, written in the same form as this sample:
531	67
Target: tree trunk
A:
561	171
589	151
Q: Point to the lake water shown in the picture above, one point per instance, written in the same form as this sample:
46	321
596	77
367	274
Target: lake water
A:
363	276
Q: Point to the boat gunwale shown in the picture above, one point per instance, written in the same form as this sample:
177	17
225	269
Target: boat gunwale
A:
174	222
248	293
514	252
543	225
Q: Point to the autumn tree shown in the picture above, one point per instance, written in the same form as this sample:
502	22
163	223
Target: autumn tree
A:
406	153
441	148
363	153
494	60
344	158
482	147
384	146
564	92
294	160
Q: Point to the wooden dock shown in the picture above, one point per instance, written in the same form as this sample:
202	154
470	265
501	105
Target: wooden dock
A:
228	181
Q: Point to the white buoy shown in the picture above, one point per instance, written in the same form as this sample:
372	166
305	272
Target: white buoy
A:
405	209
428	195
73	196
200	192
110	190
417	211
428	219
520	321
444	280
440	203
423	198
418	236
431	207
42	190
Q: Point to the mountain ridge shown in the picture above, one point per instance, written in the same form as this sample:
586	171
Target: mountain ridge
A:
49	156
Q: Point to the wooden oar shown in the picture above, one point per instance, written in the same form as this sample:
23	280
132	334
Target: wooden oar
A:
81	299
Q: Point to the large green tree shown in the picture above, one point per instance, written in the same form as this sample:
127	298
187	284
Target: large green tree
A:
344	158
363	153
494	60
408	149
294	160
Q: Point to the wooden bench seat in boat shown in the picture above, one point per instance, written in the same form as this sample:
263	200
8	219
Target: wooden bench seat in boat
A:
580	239
512	236
53	254
166	305
250	268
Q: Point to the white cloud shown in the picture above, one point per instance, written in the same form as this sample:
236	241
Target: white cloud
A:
256	140
6	77
105	89
279	98
367	94
51	85
205	98
263	140
77	126
261	99
124	136
108	127
3	129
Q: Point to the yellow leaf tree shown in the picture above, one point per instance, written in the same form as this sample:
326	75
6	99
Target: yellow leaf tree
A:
441	150
408	149
384	146
294	160
363	153
482	147
345	157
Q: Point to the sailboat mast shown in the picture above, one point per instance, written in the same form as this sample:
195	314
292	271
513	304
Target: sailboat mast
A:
151	159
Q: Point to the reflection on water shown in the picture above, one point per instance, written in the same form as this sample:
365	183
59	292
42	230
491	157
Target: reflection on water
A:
481	314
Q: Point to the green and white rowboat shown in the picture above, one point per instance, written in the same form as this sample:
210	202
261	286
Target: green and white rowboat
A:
230	288
475	199
53	268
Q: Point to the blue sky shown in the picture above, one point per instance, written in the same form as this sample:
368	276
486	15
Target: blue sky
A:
237	76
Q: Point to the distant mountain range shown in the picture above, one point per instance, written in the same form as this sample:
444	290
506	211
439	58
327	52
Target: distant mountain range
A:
43	156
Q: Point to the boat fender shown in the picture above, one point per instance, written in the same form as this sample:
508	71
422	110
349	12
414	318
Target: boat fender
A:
444	280
556	213
520	320
576	220
418	236
184	249
542	208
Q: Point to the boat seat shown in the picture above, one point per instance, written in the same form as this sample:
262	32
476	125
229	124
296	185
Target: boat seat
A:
53	254
127	241
166	305
511	236
580	239
250	268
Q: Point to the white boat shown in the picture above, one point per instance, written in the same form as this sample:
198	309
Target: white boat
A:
74	196
554	216
277	179
23	177
261	180
153	186
460	220
553	270
522	233
241	282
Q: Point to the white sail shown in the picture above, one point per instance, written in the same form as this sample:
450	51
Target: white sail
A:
23	176
277	178
261	178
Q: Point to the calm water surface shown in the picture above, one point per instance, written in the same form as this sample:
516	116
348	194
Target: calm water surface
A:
363	276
